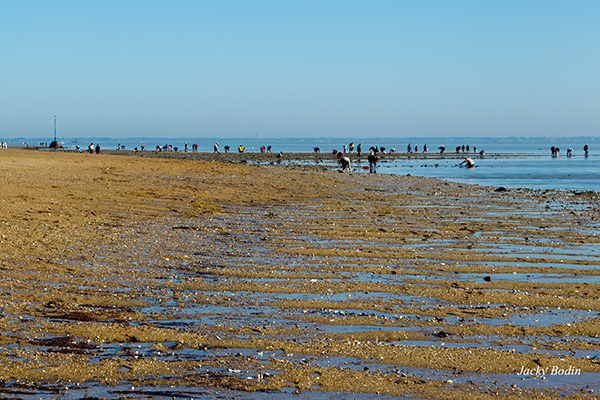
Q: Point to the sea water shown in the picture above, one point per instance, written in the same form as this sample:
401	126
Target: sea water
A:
533	172
512	162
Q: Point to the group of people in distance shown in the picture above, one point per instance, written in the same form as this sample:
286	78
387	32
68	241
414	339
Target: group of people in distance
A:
555	151
374	151
241	148
342	156
92	149
372	158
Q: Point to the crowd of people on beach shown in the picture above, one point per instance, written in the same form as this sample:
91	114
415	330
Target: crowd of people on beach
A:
343	157
377	151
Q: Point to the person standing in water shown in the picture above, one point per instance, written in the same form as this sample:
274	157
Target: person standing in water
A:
372	158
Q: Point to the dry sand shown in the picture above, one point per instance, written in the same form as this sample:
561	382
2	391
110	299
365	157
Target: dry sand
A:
168	276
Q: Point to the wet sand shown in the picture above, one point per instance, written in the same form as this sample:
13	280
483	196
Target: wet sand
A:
172	275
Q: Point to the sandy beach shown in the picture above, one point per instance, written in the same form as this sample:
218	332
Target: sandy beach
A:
167	275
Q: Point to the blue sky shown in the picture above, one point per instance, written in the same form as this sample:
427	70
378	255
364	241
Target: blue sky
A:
300	68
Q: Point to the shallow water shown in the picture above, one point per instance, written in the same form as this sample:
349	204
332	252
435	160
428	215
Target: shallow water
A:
540	172
175	392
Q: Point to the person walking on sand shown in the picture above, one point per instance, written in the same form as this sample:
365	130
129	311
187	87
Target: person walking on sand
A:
97	148
216	147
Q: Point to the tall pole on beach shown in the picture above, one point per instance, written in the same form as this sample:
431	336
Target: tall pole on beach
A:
55	128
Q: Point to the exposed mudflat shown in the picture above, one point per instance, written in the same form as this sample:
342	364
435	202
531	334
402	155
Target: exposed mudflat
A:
168	276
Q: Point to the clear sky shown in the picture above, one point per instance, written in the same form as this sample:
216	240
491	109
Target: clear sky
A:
300	68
